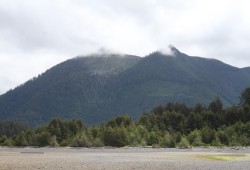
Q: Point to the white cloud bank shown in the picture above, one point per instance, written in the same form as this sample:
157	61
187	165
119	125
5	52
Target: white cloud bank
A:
35	35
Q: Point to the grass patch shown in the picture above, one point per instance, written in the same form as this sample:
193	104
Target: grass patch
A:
227	157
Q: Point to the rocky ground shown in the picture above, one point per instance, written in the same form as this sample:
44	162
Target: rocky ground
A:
124	158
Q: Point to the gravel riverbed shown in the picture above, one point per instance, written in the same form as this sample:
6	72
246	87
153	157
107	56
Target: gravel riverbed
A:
46	158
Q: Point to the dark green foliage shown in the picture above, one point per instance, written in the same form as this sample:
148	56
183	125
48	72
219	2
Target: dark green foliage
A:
207	135
216	105
25	138
115	137
153	138
245	97
64	130
43	138
223	137
95	132
10	128
194	121
172	125
232	115
5	141
124	120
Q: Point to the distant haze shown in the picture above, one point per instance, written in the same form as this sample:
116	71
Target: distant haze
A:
35	35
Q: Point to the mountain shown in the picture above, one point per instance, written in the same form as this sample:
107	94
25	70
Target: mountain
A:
98	87
246	69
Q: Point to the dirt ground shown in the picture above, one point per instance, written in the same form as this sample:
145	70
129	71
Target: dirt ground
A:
29	158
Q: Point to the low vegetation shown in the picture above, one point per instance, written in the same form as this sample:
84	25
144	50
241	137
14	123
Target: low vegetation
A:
227	157
172	125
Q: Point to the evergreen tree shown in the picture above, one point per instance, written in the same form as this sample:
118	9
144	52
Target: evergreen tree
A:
245	97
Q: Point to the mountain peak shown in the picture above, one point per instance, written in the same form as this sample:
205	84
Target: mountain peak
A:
169	51
173	49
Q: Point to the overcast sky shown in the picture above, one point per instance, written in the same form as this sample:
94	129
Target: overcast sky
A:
37	34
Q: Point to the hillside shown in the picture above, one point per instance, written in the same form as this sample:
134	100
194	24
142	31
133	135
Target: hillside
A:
96	88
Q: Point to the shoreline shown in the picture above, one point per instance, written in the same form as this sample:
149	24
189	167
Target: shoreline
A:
148	148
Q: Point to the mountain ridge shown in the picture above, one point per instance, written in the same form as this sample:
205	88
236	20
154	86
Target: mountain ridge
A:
97	87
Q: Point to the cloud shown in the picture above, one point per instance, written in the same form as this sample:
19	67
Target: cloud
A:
49	32
170	51
18	69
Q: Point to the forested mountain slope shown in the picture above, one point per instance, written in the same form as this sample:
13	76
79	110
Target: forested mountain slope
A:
96	88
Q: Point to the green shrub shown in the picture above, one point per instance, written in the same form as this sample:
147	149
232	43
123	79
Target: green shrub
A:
195	138
64	143
184	144
168	141
97	143
207	135
53	142
20	139
116	137
43	139
8	142
3	139
81	141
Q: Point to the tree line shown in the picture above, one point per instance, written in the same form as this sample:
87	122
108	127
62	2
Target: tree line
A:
170	125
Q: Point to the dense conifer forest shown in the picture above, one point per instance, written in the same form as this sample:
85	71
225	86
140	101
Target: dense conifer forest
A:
170	125
96	88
